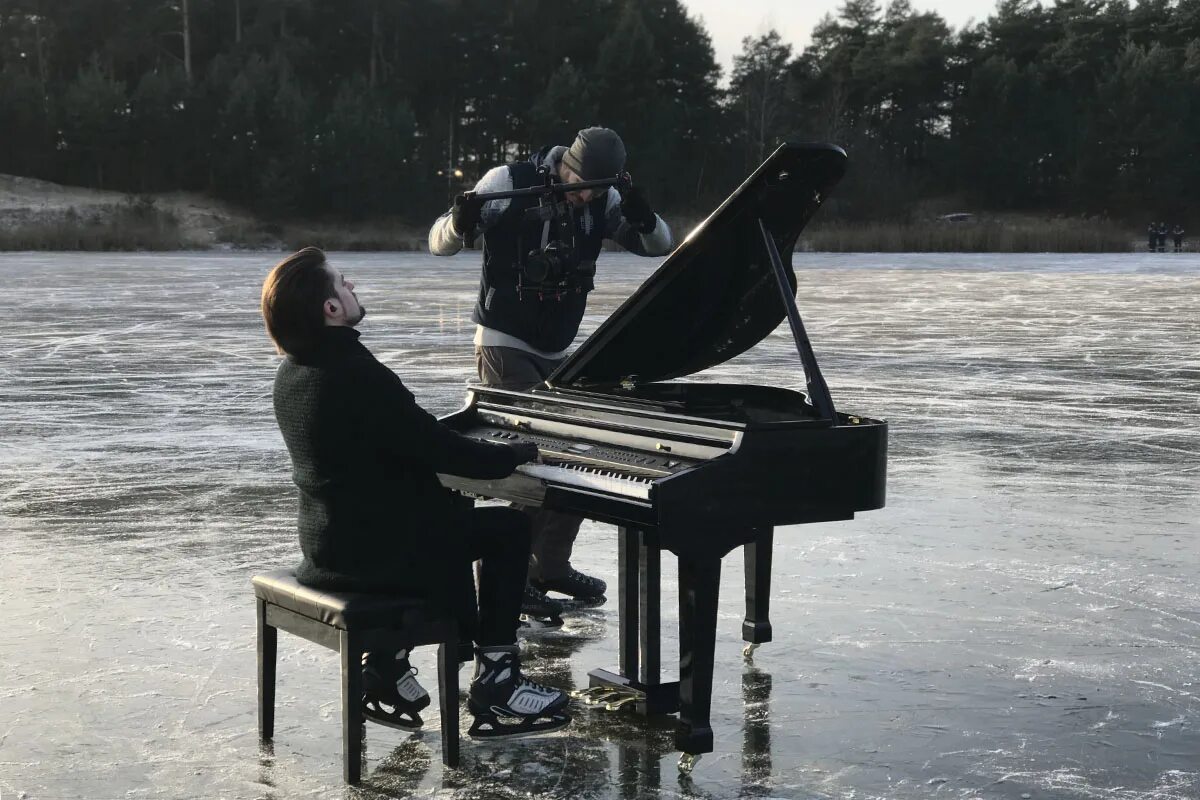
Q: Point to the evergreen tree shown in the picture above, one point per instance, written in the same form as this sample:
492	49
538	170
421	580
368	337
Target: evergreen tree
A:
627	73
562	107
361	149
758	92
95	122
376	106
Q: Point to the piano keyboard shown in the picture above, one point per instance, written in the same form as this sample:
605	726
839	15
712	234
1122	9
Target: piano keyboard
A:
595	466
595	478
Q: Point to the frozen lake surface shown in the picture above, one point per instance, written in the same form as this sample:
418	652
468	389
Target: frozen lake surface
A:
1021	621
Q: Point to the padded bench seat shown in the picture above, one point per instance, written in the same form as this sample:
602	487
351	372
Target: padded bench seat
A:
352	623
339	609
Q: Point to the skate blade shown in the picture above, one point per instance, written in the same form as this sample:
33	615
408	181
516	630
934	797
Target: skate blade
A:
534	626
483	730
393	720
582	603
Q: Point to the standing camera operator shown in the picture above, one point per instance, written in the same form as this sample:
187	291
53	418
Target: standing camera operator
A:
539	259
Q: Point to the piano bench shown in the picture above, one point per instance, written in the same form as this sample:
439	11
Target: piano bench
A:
352	623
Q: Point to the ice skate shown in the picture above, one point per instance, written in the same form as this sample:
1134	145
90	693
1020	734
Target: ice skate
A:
508	705
582	590
391	694
539	612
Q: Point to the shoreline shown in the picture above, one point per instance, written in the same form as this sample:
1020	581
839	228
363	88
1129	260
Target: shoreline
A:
39	216
119	233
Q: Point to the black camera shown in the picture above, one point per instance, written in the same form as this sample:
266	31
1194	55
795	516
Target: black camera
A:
551	264
556	269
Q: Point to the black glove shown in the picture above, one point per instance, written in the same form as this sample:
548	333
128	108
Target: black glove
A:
525	452
636	208
466	213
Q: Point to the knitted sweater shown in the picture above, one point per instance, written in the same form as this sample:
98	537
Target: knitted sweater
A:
365	456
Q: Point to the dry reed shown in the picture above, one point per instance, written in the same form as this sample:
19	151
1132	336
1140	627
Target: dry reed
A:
988	236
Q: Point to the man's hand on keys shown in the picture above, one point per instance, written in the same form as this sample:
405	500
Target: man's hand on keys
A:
526	452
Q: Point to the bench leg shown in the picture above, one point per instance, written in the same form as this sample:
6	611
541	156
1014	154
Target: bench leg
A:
352	717
448	699
268	637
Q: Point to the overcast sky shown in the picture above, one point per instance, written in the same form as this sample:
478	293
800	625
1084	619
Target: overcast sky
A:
728	21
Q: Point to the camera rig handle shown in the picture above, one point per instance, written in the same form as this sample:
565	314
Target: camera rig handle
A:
620	181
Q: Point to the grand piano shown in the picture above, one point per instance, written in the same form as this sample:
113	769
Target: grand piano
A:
697	469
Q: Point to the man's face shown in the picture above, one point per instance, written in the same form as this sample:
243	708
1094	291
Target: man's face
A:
577	199
343	308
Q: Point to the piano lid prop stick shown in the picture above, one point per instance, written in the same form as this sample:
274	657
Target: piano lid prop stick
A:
817	389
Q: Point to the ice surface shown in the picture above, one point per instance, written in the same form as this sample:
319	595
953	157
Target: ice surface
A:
1021	620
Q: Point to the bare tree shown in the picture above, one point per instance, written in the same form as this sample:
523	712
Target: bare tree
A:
187	41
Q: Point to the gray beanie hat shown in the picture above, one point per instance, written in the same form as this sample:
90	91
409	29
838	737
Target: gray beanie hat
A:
597	153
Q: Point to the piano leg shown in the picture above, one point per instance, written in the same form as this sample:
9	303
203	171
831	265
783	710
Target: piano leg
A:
650	579
639	646
756	628
699	583
628	541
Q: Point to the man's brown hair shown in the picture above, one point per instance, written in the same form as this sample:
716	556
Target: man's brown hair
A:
293	296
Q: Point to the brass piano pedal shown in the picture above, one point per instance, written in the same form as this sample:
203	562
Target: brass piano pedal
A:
605	700
598	695
589	694
617	705
580	694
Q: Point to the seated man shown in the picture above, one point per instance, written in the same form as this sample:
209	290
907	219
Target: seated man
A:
373	516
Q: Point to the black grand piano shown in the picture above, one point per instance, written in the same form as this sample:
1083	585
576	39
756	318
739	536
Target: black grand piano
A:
694	468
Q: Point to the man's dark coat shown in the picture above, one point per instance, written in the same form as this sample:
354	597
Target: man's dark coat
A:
373	515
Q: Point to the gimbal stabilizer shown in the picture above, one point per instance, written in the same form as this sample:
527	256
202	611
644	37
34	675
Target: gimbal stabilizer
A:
551	267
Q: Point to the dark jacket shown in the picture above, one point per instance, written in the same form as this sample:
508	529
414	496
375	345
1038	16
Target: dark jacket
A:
373	515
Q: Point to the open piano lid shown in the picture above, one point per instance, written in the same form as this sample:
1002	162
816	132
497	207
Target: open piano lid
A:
716	295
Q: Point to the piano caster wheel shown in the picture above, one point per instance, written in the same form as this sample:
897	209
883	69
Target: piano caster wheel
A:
748	651
688	762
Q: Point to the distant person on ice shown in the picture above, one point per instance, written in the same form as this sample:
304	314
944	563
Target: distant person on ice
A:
1177	235
1162	237
523	335
373	515
1152	236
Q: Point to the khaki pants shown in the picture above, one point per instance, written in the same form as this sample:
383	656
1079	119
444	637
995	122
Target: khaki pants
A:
553	533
